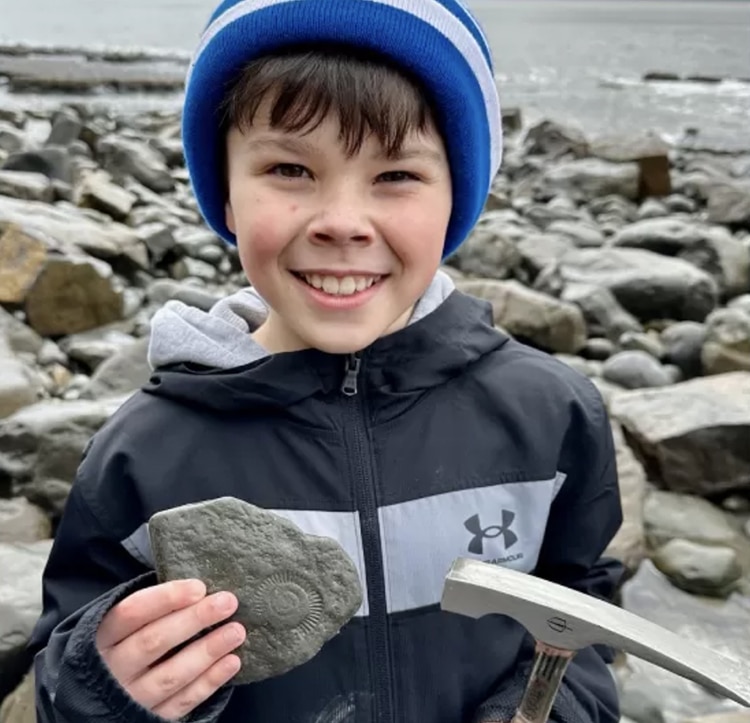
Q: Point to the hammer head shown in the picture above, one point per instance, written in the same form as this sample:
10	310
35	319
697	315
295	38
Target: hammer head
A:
568	620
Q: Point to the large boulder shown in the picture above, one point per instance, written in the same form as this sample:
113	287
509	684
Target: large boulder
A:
589	178
20	607
711	248
648	151
69	229
693	436
648	285
538	319
41	447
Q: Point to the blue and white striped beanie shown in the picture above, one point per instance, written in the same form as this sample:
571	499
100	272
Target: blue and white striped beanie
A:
438	41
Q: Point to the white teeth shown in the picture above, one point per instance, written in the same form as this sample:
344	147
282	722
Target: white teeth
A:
345	286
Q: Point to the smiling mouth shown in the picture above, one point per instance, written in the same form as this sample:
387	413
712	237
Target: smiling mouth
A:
338	285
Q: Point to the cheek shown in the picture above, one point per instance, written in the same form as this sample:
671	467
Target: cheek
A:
260	241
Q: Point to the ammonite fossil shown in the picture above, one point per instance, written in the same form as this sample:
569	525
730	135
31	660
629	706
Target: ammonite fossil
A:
295	591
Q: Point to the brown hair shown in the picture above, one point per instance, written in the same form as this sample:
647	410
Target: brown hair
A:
369	95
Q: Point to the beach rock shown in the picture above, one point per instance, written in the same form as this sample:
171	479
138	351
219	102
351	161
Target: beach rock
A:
554	140
66	128
20	606
677	203
598	348
158	240
17	336
73	294
189	268
296	591
163	290
582	234
648	151
55	163
642	700
93	347
41	447
123	157
588	178
18	385
20	705
97	191
12	139
699	569
22	258
648	285
20	521
489	252
125	371
541	320
739	716
26	186
601	310
540	250
741	302
727	344
693	435
629	544
671	516
642	341
559	208
651	208
729	203
683	346
67	228
635	370
710	248
613	211
718	625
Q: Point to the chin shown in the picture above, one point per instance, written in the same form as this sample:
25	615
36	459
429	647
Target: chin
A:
342	343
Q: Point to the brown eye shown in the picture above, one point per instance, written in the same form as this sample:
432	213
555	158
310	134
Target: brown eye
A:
397	176
289	170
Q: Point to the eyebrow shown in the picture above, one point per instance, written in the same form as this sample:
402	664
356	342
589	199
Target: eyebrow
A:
301	146
285	143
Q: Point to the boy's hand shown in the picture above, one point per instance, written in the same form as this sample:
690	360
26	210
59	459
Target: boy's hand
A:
144	627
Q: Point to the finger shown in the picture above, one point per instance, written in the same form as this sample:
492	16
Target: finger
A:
164	681
145	606
200	690
131	657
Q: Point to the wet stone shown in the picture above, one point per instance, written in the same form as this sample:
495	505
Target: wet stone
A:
295	591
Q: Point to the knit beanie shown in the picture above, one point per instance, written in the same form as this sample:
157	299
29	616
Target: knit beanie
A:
437	41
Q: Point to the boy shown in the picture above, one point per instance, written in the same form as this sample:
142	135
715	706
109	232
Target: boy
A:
346	147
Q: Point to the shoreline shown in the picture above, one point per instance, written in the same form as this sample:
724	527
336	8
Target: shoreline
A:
36	77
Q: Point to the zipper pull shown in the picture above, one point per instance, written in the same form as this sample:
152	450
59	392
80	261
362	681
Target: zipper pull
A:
349	385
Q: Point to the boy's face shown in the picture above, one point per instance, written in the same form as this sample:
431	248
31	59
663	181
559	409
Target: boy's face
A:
340	248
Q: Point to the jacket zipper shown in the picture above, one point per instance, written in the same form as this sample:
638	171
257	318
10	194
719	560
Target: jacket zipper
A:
371	542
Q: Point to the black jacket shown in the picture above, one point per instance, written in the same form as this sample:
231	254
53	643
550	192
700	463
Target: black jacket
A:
446	439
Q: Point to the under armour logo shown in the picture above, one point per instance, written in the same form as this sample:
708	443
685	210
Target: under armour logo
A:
474	526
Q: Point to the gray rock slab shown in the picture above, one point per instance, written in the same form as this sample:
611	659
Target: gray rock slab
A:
21	567
295	591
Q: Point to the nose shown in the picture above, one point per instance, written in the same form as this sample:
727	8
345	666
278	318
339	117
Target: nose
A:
342	218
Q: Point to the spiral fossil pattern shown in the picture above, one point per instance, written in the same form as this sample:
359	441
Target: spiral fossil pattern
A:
287	602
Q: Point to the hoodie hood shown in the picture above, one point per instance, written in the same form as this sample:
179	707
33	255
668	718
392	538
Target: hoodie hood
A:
221	338
211	359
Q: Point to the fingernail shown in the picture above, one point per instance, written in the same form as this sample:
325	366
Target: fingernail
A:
234	634
195	589
224	602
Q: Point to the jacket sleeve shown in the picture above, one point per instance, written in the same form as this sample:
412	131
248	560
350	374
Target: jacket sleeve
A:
87	573
584	518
